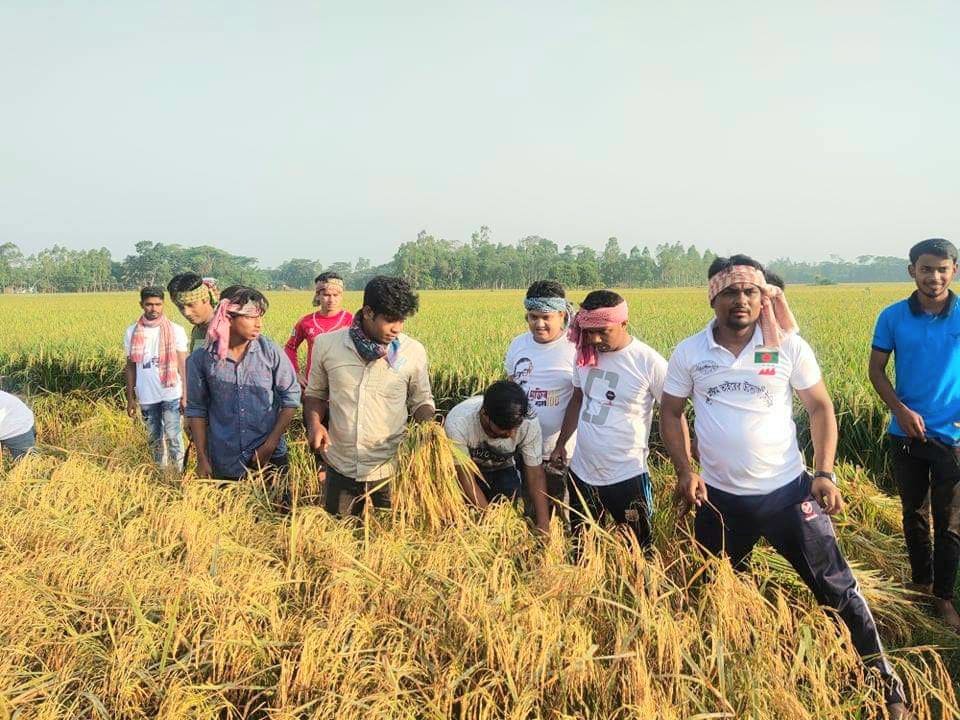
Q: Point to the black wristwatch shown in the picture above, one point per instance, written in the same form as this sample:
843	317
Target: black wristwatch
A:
828	475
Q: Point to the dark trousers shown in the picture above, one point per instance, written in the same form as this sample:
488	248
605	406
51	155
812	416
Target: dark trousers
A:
20	445
501	484
629	503
345	496
793	522
927	475
556	494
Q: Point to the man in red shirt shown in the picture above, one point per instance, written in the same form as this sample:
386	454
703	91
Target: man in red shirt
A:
329	316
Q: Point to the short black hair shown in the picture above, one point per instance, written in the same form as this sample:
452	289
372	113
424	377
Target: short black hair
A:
546	288
601	299
774	279
328	275
241	295
722	263
184	282
151	291
506	404
391	297
938	247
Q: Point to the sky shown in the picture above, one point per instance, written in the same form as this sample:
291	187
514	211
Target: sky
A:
334	130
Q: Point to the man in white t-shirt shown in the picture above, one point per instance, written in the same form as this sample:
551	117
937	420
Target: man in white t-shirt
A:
541	361
17	434
741	372
156	351
491	429
616	382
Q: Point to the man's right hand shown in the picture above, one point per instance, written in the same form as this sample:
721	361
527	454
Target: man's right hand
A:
203	468
131	408
691	491
318	438
558	458
911	423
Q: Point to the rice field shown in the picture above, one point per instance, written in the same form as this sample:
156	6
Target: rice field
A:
125	594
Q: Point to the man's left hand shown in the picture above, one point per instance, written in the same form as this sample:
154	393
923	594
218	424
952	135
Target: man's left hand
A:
827	494
263	453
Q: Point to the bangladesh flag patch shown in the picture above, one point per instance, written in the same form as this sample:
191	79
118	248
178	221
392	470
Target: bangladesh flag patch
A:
766	357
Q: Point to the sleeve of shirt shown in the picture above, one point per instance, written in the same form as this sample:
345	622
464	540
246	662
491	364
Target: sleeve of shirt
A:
657	368
198	393
576	375
532	446
293	342
180	339
318	385
418	385
806	371
456	430
127	340
883	333
679	380
285	383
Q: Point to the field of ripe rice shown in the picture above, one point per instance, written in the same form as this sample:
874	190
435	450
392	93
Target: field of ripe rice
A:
124	594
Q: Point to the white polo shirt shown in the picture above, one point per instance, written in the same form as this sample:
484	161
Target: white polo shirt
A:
613	431
744	408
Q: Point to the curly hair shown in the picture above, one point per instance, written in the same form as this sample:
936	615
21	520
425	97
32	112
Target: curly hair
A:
391	297
546	288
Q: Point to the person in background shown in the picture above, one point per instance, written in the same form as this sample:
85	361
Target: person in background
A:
542	361
922	334
370	378
742	371
329	316
617	381
18	435
156	351
491	429
242	393
196	299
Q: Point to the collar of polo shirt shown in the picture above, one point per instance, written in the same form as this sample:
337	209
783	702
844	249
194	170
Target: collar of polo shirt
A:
914	303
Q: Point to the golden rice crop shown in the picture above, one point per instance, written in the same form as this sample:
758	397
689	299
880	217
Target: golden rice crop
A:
129	595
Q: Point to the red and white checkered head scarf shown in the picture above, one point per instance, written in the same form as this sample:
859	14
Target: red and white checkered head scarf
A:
776	319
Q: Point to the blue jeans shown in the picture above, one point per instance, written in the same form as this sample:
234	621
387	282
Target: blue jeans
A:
20	445
163	432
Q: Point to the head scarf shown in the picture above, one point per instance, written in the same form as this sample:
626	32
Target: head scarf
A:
550	304
207	290
167	358
776	319
368	348
335	282
601	317
218	331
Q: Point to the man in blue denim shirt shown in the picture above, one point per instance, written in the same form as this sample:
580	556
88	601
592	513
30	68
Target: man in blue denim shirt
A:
242	391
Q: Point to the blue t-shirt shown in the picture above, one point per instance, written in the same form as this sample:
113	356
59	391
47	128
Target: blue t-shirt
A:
926	352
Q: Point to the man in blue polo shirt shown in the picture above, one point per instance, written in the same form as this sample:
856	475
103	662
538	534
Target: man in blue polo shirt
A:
923	332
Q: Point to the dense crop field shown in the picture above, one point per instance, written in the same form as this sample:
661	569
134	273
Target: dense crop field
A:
128	595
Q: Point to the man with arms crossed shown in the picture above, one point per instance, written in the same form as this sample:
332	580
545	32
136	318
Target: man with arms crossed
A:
491	429
542	362
616	382
370	378
156	351
741	372
922	332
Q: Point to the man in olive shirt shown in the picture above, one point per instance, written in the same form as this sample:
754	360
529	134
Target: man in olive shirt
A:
196	298
370	378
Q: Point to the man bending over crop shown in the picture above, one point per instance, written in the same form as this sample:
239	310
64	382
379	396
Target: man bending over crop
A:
243	391
371	378
922	333
741	372
617	380
490	429
156	351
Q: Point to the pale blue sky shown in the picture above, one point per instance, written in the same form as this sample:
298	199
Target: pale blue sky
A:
333	130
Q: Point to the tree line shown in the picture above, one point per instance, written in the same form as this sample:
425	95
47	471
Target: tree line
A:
428	262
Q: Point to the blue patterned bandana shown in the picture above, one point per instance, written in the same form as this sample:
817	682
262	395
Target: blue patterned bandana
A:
368	349
550	304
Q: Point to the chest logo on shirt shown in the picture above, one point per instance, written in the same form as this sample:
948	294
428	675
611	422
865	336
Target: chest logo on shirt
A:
769	359
522	370
595	410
